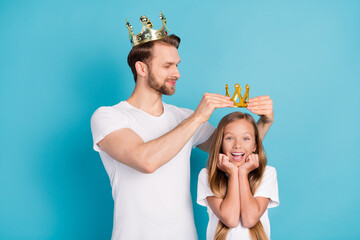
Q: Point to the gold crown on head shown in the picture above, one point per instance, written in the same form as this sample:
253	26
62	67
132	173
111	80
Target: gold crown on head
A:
243	100
147	34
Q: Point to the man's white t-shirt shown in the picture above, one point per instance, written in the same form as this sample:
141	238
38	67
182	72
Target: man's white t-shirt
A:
149	206
268	188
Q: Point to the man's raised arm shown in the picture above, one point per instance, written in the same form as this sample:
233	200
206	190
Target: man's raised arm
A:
262	106
125	146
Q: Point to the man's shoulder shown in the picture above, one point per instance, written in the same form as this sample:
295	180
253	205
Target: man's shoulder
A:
174	108
116	109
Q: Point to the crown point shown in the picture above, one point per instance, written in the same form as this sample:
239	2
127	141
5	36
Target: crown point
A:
143	19
147	33
243	100
149	24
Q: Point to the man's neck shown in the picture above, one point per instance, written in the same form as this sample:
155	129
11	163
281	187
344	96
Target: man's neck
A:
147	100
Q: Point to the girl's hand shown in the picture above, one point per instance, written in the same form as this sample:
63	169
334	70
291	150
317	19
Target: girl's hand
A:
251	163
225	165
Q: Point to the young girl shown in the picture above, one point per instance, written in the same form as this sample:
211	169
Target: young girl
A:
237	187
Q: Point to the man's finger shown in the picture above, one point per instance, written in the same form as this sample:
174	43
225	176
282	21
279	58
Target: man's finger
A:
262	107
265	97
215	95
261	112
223	104
262	102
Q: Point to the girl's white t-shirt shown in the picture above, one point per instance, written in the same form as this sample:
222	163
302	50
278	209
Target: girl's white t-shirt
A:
268	188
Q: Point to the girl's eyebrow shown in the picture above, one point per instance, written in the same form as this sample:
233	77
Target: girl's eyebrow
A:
247	133
228	133
242	133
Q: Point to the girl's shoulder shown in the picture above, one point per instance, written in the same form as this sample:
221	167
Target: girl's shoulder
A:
203	173
270	170
269	174
269	187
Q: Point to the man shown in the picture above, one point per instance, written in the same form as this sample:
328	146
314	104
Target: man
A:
145	145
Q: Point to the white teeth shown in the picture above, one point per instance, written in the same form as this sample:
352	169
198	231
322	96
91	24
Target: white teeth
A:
238	154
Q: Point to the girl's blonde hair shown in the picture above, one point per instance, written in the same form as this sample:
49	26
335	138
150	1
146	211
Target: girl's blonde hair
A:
218	179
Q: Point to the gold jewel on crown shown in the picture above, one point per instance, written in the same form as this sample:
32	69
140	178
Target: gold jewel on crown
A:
147	34
243	100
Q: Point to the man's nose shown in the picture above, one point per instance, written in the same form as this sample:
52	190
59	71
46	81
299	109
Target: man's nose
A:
176	73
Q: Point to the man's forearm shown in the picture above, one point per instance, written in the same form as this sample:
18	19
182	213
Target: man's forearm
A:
263	126
159	151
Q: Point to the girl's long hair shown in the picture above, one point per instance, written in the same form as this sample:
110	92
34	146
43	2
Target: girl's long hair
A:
218	179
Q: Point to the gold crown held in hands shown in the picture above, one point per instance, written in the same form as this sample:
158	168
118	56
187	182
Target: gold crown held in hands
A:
243	100
147	34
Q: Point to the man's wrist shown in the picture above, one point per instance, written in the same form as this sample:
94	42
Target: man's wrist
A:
197	118
265	120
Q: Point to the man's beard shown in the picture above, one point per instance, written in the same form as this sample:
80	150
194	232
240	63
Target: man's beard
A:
163	89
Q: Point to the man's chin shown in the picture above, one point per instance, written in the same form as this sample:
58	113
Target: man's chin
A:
170	93
167	91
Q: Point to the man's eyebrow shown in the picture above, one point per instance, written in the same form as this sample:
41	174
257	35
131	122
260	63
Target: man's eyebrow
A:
171	62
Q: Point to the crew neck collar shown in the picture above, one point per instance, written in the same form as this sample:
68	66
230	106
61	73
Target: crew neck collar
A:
140	110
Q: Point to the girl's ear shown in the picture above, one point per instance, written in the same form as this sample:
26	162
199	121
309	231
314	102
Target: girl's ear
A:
255	146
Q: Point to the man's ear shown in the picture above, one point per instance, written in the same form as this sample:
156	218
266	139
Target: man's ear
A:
141	68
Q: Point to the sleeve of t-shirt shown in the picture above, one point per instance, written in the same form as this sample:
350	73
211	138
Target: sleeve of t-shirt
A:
204	190
268	187
104	121
203	133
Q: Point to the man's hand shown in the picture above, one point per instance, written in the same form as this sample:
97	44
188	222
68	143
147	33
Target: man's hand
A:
262	106
209	102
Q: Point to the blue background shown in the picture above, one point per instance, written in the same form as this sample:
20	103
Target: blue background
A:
60	60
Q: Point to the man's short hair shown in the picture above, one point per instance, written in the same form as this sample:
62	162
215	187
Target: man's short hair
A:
143	51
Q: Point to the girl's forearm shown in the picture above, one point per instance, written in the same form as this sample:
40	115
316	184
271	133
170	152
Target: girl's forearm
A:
230	206
249	208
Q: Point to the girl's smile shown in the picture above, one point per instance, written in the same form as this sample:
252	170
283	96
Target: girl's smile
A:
237	156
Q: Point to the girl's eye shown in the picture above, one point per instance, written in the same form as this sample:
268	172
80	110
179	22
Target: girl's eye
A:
246	139
228	138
